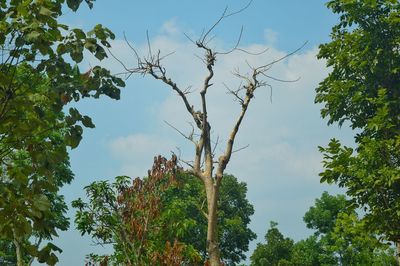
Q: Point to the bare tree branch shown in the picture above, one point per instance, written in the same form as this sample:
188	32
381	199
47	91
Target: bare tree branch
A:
240	149
133	49
252	53
190	39
264	68
190	137
235	46
203	37
215	146
280	80
148	44
223	16
236	93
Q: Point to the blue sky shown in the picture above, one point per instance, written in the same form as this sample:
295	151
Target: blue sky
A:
282	162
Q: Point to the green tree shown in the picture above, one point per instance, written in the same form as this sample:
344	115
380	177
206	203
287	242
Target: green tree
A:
342	238
30	177
127	214
37	80
276	251
356	246
322	216
185	207
31	35
363	90
178	216
310	252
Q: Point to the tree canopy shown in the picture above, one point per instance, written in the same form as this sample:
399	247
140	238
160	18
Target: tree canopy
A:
127	215
276	249
362	90
339	239
342	236
185	207
39	75
176	215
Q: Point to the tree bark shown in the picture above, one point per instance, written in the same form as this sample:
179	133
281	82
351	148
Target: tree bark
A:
398	253
204	153
212	228
18	251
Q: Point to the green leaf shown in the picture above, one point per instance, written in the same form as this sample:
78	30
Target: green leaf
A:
37	83
42	203
32	36
87	122
45	11
79	33
74	4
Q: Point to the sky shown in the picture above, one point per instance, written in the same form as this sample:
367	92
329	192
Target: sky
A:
283	127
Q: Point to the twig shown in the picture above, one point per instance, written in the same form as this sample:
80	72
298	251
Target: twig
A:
280	80
190	137
251	53
224	15
148	44
261	68
242	148
236	45
132	48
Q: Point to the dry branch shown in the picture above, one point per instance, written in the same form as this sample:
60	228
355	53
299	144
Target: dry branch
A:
204	159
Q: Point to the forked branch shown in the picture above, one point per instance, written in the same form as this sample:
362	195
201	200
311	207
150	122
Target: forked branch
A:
204	160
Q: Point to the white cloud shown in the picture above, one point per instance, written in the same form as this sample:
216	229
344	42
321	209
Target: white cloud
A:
170	27
136	152
270	36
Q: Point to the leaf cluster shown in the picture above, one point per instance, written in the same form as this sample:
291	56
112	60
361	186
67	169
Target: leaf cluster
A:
34	165
185	206
339	238
127	213
363	89
39	75
174	212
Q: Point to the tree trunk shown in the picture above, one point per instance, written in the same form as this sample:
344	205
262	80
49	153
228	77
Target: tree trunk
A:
398	253
212	228
18	251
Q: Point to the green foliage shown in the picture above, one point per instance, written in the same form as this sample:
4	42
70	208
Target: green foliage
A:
185	206
355	245
342	235
127	214
310	252
179	217
364	90
322	216
276	251
37	80
32	37
33	169
7	254
340	239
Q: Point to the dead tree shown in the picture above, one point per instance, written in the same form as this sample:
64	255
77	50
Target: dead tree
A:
206	165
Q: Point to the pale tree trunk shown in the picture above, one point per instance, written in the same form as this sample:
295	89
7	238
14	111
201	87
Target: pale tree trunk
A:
18	250
212	225
205	159
398	253
19	253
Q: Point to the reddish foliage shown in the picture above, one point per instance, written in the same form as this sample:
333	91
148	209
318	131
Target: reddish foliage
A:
141	206
141	202
171	256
